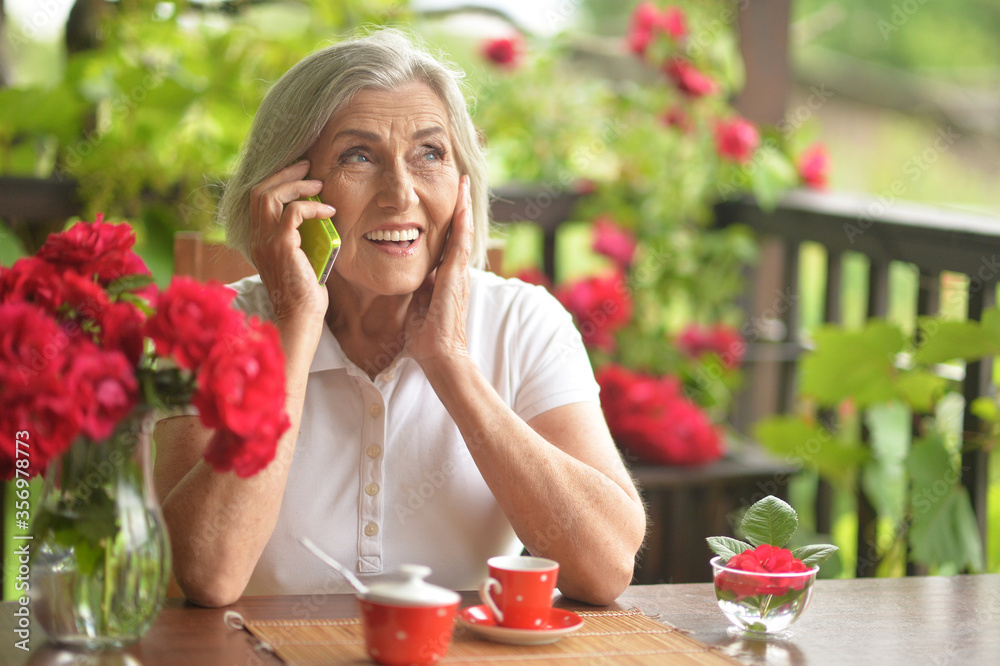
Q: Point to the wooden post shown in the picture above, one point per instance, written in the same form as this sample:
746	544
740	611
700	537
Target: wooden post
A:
764	44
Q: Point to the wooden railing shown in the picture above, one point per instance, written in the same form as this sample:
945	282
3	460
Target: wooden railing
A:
931	241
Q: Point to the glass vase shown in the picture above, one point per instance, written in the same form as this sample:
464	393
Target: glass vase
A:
761	605
101	555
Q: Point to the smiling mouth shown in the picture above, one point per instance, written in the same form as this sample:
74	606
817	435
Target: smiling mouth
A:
398	238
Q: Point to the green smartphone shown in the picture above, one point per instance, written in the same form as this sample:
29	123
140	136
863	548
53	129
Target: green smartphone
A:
321	243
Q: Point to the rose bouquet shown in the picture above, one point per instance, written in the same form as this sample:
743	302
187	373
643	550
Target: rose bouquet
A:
761	586
90	352
88	338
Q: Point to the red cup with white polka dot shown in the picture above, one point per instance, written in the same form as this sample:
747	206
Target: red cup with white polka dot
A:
519	590
408	622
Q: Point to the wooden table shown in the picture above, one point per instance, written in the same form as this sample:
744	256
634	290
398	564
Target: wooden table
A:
928	620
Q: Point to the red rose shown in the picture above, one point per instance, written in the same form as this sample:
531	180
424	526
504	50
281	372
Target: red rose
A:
241	393
82	298
95	249
34	352
647	20
736	140
650	418
121	329
190	318
719	339
507	52
31	280
104	387
613	241
813	166
61	292
688	78
600	305
764	559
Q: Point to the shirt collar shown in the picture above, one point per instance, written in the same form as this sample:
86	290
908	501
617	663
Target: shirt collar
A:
330	356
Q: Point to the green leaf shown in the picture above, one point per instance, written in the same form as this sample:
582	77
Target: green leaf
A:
802	444
772	176
884	476
727	547
920	389
129	283
770	521
930	462
813	554
889	426
944	529
853	365
951	340
945	532
985	408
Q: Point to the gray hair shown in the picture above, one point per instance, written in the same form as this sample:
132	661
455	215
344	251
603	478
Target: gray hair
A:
298	106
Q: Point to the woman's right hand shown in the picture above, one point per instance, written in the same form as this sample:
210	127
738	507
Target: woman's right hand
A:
277	208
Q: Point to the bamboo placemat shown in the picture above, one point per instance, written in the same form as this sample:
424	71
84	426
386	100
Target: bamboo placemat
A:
607	637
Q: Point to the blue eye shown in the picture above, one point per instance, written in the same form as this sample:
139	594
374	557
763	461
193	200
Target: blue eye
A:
433	153
354	155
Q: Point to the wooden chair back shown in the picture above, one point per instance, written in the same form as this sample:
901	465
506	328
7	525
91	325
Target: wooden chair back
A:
205	260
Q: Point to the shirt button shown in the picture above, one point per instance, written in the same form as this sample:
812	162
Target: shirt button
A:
374	451
371	488
389	376
371	529
375	411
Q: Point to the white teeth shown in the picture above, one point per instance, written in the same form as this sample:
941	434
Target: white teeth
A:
394	235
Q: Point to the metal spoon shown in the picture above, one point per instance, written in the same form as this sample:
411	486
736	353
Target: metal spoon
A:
334	564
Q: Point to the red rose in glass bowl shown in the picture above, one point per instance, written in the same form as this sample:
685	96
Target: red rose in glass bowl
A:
762	587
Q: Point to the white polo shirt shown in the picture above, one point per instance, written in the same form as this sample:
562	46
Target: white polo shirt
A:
381	475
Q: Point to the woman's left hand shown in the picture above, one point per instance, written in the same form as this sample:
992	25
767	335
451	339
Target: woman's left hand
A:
435	326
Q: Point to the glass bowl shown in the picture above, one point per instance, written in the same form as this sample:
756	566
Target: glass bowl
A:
761	605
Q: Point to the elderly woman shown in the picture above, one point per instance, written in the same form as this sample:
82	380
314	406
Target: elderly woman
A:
440	414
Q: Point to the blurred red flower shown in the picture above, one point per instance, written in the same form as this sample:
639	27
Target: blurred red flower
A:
814	165
190	318
736	139
240	387
601	305
613	241
506	52
647	20
104	388
34	354
724	341
651	419
689	79
677	117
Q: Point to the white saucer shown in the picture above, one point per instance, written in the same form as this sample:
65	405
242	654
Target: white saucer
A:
481	622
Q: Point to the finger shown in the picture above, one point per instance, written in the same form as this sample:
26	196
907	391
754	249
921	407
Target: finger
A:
268	197
274	201
297	212
459	247
295	171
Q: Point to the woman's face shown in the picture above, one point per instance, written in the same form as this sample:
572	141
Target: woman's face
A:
387	166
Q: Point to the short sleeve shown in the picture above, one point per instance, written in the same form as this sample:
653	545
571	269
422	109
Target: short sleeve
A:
252	298
553	363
